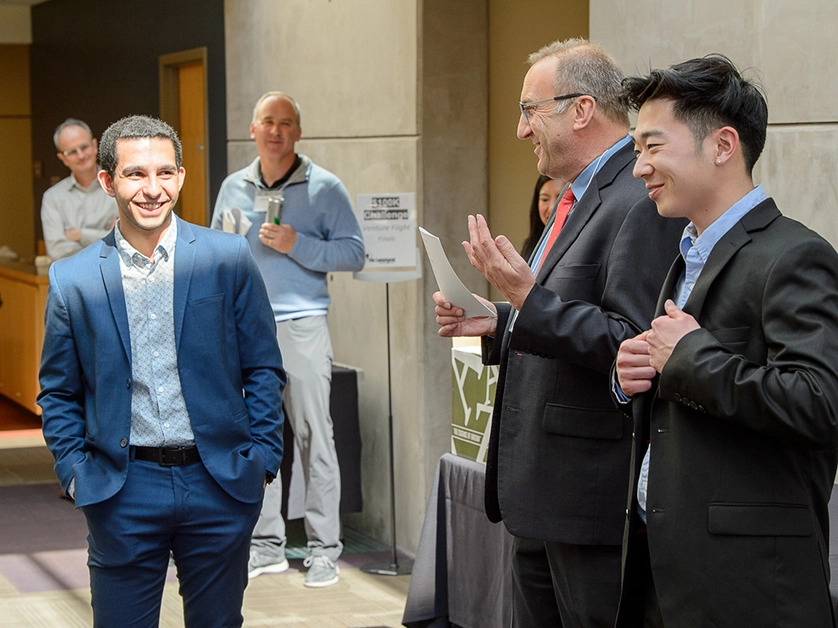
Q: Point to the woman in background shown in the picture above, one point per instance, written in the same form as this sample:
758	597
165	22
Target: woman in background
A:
544	199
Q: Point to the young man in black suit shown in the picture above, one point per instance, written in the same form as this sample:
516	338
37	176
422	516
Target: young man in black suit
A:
734	389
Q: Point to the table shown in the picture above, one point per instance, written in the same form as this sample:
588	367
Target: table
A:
462	573
343	405
23	297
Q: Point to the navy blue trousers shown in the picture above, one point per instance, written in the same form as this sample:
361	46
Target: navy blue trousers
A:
161	509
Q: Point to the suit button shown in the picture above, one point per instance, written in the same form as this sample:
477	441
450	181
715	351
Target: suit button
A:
685	402
128	383
677	397
701	409
693	405
123	442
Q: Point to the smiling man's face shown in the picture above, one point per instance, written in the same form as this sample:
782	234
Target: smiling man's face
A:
81	151
549	131
146	184
679	172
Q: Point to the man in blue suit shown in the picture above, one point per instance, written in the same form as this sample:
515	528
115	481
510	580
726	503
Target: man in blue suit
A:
161	393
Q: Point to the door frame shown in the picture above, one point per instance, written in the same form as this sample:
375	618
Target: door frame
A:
168	65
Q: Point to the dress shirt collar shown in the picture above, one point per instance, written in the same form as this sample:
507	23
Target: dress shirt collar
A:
74	183
132	257
705	242
583	180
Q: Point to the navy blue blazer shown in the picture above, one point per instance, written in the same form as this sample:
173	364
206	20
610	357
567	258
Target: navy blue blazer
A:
228	359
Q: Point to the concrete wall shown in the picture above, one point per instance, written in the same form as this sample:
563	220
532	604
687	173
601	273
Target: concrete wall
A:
394	99
793	48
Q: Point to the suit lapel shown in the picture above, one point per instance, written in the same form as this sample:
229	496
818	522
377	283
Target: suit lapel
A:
112	278
738	236
668	290
184	263
585	209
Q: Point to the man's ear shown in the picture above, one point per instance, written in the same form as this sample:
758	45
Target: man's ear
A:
106	181
583	111
726	144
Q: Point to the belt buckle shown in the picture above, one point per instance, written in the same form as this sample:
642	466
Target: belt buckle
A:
170	457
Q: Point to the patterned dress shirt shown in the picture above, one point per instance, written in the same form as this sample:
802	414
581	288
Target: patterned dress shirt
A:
158	410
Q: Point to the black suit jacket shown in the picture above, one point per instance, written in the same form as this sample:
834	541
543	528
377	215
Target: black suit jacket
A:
559	452
744	429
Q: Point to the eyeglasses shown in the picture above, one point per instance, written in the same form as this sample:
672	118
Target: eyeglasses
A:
526	107
77	149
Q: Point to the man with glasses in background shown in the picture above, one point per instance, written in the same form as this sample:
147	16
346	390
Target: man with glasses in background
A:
76	211
559	452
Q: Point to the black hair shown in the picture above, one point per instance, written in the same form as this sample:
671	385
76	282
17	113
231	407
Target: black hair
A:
134	127
707	93
536	226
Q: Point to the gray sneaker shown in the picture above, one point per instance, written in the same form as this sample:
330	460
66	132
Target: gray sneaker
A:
322	572
258	564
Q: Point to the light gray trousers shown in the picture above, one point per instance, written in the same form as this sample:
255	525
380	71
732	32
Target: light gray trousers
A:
307	358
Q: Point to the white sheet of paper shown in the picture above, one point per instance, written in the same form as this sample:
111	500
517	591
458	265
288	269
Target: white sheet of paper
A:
234	221
448	281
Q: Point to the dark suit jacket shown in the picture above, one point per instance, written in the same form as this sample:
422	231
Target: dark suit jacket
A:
226	346
559	453
744	430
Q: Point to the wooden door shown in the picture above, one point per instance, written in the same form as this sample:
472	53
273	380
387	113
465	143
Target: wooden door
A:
183	99
193	197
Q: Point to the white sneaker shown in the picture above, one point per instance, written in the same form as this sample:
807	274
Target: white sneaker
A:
322	571
257	565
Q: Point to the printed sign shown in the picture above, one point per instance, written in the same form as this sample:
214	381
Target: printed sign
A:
388	222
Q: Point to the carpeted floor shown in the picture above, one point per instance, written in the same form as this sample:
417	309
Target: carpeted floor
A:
44	581
35	518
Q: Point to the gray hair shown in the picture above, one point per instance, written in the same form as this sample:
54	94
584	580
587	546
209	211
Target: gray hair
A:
134	127
282	95
64	125
585	67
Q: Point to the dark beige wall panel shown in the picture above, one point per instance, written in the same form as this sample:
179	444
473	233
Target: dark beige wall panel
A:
351	65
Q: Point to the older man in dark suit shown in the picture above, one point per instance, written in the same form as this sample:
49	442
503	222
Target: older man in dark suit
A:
735	386
559	450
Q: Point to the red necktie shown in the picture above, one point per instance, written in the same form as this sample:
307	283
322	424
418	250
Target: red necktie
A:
561	215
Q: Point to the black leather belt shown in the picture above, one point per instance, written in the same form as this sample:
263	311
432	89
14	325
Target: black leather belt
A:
167	456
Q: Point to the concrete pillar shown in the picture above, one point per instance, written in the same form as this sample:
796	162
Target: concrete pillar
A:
394	99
